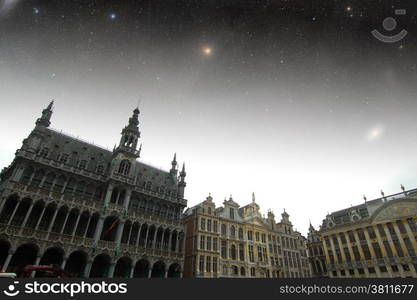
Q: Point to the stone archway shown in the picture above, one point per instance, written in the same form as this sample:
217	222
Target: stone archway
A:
122	268
24	255
158	270
100	266
141	269
21	212
174	271
8	208
76	263
53	256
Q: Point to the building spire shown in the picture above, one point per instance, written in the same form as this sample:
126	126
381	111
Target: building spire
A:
45	119
130	135
253	197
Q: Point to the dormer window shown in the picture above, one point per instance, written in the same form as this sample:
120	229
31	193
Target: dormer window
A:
63	158
124	167
232	213
100	169
44	152
83	164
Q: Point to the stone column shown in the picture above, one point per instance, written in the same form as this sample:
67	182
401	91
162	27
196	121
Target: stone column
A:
38	259
166	274
7	261
170	242
27	215
146	237
108	194
371	249
14	212
393	249
52	221
129	234
410	235
86	228
154	238
126	201
64	262
162	240
76	224
150	273
361	253
99	228
326	253
40	218
383	250
138	236
132	270
119	232
111	269
2	203
87	268
65	222
177	244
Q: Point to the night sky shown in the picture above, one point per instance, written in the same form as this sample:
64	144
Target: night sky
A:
293	100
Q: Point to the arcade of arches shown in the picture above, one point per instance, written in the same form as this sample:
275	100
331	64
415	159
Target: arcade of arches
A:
52	218
80	264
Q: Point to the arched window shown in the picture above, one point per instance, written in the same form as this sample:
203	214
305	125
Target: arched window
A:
124	167
232	231
235	270
252	272
241	252
233	252
240	233
223	229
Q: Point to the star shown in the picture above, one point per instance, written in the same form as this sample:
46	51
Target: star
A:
113	16
36	11
349	8
375	133
207	51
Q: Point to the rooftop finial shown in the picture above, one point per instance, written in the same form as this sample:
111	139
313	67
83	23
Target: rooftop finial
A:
253	197
403	188
364	198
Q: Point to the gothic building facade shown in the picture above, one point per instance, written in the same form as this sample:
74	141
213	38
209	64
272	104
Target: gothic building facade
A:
238	242
316	253
375	239
94	212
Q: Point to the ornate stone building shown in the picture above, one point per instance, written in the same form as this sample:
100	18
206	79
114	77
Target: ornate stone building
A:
316	253
234	241
94	212
374	239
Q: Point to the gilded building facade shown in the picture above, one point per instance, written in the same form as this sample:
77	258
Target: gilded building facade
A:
238	242
375	239
92	211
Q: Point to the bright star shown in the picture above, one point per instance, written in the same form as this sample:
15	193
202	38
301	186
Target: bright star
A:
375	133
113	16
349	8
36	10
207	51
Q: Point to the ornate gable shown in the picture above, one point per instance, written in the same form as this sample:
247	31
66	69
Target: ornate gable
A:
396	209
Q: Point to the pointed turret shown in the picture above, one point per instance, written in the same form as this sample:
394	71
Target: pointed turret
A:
182	184
45	119
130	136
174	165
